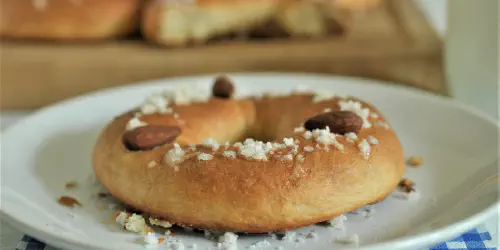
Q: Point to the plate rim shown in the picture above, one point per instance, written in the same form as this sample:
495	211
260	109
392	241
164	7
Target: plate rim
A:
401	242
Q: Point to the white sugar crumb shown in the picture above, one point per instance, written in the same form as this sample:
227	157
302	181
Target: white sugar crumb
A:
175	245
300	158
154	104
255	150
290	236
338	222
228	241
348	240
308	149
351	137
288	142
151	239
121	219
260	244
174	155
273	236
327	110
176	116
135	123
193	147
152	164
307	135
205	157
322	96
227	144
382	124
374	115
356	108
299	129
211	143
186	94
372	140
365	148
229	154
136	223
168	233
288	157
161	223
324	136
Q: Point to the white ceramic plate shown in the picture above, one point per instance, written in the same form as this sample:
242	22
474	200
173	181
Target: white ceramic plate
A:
457	185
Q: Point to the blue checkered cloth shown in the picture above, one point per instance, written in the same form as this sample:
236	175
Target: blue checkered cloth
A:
476	239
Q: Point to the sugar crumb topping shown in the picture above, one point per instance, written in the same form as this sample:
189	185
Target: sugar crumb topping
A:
135	123
151	239
229	154
205	157
365	148
374	115
356	108
136	223
161	223
288	142
327	110
372	140
322	96
338	222
174	155
288	157
299	129
307	135
152	164
211	143
351	137
382	124
308	149
255	150
228	241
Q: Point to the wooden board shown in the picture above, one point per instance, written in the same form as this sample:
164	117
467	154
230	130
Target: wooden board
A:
395	43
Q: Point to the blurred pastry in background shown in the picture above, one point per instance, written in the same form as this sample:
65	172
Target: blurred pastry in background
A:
68	19
179	23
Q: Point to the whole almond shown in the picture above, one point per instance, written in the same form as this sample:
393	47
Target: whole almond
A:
223	87
339	122
150	136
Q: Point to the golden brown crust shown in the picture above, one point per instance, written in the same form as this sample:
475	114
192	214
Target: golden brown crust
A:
68	19
245	195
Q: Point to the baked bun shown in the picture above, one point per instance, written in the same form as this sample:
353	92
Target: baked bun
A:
177	23
325	156
68	19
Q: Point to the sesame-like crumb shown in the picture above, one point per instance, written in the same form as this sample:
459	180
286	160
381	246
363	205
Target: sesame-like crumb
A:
211	143
205	157
356	108
299	130
351	137
161	223
365	148
229	154
372	140
174	155
152	164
